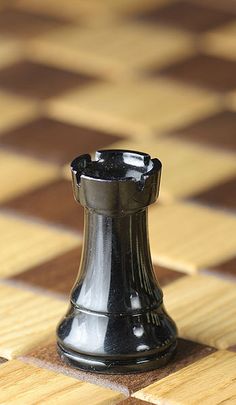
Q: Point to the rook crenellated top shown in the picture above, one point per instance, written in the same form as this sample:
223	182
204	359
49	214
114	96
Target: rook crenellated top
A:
117	182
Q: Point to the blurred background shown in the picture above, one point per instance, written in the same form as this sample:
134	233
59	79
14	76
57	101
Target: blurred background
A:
157	76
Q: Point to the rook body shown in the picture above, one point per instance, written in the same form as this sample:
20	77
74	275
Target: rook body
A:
116	322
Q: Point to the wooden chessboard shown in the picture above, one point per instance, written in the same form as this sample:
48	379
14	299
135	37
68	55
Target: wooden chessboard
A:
157	76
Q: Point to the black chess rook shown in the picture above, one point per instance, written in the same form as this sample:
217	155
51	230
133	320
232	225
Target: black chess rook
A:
116	321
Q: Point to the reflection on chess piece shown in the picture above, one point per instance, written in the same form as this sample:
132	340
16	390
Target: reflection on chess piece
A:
116	322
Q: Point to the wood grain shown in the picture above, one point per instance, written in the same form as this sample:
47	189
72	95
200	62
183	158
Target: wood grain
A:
25	243
189	237
33	173
131	107
204	309
56	275
166	275
133	401
35	385
45	355
80	75
210	381
224	269
59	274
53	203
26	320
187	168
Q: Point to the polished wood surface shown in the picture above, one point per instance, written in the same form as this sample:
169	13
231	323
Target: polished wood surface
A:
156	76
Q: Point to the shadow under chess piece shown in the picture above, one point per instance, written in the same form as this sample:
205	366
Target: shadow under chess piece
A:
116	322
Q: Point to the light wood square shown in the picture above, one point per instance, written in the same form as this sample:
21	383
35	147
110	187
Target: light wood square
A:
25	243
221	42
231	99
130	48
140	106
71	10
89	10
26	319
187	167
15	110
208	381
10	51
26	384
204	309
189	237
19	174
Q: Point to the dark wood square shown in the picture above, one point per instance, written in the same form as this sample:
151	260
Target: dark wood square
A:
56	141
228	5
133	401
166	275
24	25
203	70
58	274
222	195
40	81
224	269
218	130
186	15
188	352
53	203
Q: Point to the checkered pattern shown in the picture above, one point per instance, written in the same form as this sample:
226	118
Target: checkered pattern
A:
156	76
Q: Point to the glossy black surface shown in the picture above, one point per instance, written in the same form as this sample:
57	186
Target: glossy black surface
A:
116	321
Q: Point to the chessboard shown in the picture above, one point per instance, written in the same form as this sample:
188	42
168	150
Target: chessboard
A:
157	76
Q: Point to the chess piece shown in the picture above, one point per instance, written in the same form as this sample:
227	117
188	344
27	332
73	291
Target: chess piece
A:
116	322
